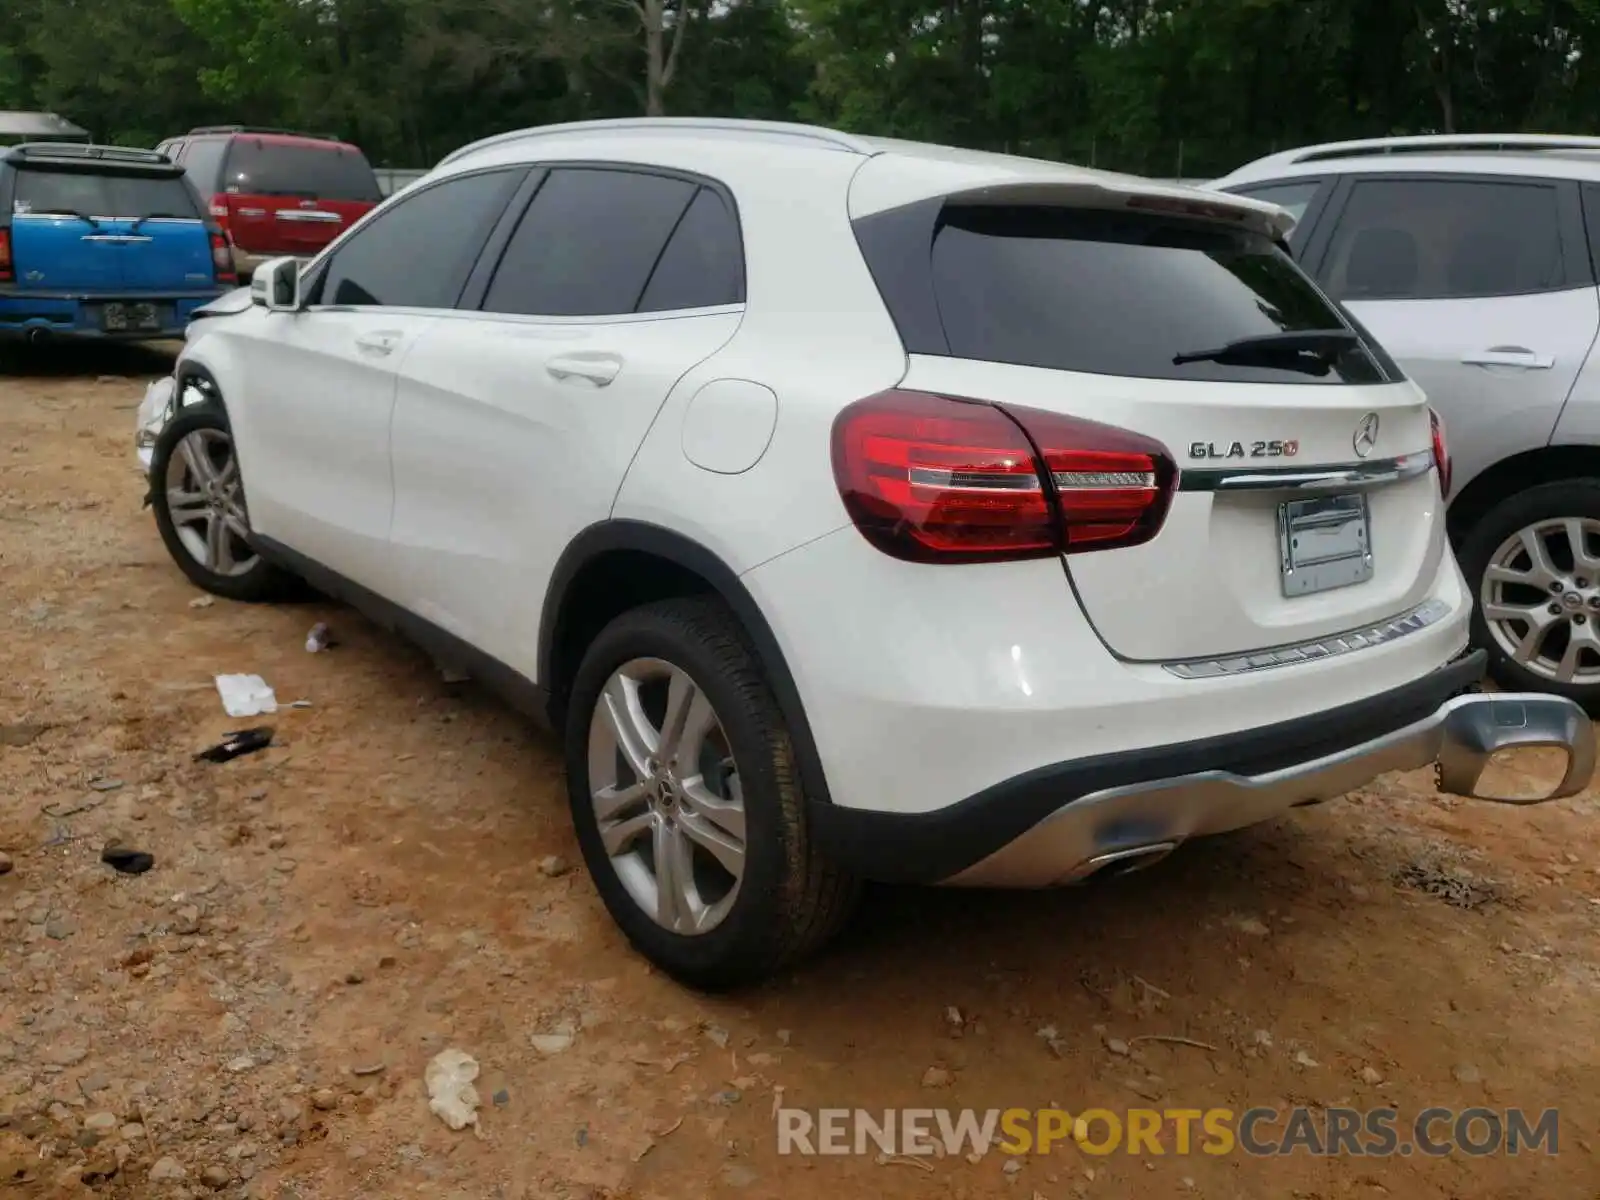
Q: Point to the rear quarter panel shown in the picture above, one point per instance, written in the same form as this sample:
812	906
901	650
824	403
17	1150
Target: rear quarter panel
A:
814	332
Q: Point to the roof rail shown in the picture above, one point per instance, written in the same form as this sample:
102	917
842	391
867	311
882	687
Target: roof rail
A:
125	154
203	129
757	130
1443	143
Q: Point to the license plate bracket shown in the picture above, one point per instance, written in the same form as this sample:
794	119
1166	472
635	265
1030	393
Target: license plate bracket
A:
1324	543
141	317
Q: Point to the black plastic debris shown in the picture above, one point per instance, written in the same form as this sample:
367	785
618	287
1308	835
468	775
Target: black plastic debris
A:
127	860
245	741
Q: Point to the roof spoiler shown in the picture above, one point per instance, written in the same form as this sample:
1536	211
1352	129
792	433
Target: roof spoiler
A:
204	129
74	155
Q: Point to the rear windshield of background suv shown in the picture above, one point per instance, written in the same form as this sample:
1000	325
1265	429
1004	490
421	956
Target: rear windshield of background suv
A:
90	195
1114	293
320	172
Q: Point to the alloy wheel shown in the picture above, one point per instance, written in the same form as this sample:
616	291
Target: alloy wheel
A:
667	796
1541	599
205	499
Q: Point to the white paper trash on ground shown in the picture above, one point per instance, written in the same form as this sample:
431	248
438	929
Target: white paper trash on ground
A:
451	1096
246	695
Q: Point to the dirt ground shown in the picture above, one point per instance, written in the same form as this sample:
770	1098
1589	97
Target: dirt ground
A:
253	1016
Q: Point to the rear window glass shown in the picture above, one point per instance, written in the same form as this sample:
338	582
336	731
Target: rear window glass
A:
91	195
1115	293
316	172
1295	198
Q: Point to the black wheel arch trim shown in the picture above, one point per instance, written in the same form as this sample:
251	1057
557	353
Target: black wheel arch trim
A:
610	536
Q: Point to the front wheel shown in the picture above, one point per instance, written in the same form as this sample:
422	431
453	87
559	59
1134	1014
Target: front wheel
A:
1533	563
198	497
687	803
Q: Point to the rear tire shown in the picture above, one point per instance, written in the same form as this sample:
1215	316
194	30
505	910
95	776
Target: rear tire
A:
676	753
198	498
1539	618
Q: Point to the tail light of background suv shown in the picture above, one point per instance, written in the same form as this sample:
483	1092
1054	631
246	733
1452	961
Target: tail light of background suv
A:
222	258
931	478
1441	453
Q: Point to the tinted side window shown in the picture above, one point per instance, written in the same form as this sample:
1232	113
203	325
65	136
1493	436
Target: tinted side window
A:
418	253
1418	239
202	162
1296	197
1115	293
1591	221
587	244
703	264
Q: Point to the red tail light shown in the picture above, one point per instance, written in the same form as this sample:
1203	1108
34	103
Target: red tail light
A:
222	259
1441	453
8	273
932	478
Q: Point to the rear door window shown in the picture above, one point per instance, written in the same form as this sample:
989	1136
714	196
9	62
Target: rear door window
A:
703	264
1295	197
97	195
1117	293
588	243
313	170
1434	239
202	162
419	253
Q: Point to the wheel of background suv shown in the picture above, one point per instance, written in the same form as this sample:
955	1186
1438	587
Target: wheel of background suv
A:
199	503
687	803
1533	562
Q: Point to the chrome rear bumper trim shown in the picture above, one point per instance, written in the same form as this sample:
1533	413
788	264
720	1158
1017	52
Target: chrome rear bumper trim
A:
1345	477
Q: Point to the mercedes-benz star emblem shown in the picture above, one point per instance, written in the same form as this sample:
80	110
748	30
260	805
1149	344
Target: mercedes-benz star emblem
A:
1366	436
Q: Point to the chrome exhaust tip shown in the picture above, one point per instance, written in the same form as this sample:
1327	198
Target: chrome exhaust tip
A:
1116	863
1477	727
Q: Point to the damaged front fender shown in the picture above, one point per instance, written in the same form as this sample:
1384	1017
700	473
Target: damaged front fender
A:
163	400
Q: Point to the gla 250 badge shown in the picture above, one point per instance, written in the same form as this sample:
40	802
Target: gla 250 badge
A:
1225	450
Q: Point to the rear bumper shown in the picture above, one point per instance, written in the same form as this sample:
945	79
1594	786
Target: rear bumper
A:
245	262
1063	822
33	316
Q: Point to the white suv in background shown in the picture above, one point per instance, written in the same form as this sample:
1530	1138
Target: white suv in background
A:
853	509
1473	260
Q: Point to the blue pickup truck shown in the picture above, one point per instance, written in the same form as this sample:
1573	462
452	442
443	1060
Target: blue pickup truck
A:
103	242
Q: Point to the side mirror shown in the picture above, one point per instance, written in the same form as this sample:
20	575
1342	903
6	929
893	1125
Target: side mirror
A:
275	286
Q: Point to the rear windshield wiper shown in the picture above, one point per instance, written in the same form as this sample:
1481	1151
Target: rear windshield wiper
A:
134	228
1287	350
66	212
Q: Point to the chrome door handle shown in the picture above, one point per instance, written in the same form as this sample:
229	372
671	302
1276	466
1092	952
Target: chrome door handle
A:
1510	356
598	369
378	343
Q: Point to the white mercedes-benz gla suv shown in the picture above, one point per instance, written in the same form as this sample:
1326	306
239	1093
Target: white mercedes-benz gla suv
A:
853	509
